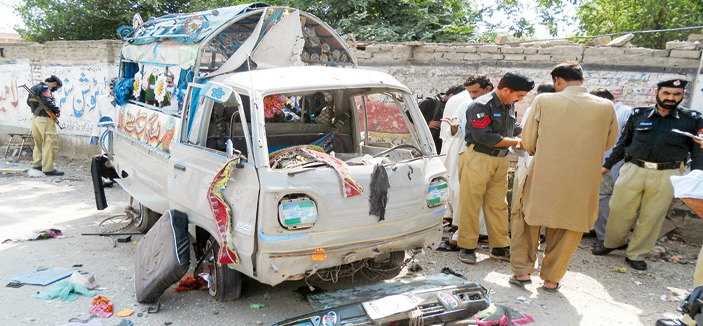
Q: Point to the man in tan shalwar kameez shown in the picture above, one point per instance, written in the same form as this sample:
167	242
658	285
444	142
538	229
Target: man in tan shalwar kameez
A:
567	132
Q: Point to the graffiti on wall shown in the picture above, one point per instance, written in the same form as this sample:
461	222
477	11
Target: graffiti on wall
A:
14	110
148	126
82	84
77	98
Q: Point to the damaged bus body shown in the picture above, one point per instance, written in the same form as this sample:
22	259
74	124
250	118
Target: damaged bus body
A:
286	159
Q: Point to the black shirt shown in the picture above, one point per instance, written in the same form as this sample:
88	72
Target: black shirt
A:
43	93
432	108
488	121
647	136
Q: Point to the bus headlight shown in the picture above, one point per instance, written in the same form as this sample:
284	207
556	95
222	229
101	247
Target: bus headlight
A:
297	213
437	193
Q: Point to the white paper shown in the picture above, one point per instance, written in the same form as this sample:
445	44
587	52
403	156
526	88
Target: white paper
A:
686	134
391	305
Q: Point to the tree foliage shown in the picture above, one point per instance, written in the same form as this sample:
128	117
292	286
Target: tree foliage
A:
614	16
373	20
49	20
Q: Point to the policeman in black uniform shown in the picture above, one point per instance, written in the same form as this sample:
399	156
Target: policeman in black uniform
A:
43	127
432	109
491	127
653	152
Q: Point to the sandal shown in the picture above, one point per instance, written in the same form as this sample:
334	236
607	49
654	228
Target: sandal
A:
550	290
515	281
448	246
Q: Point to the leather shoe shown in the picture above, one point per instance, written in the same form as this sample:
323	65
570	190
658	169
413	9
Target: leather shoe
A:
599	249
467	256
500	253
669	322
55	172
639	265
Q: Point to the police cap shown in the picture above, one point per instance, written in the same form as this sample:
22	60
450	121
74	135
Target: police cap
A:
674	83
54	79
518	82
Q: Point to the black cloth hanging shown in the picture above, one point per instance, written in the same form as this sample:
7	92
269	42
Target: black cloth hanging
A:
379	192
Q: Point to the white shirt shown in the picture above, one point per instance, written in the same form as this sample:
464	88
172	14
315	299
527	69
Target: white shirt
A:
445	131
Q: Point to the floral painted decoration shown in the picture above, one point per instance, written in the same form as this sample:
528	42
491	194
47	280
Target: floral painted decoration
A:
137	84
160	93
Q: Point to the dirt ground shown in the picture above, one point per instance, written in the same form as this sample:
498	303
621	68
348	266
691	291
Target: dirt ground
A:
592	292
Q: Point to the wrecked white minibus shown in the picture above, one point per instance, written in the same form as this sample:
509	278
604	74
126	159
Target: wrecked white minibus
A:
284	158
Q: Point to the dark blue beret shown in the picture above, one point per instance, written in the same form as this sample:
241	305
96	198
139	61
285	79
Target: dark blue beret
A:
674	83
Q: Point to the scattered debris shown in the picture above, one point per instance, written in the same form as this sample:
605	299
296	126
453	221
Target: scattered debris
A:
124	312
638	283
33	173
620	269
191	283
40	276
41	235
658	252
504	316
102	307
521	299
14	284
125	322
84	322
256	305
77	266
415	267
449	271
67	290
668	298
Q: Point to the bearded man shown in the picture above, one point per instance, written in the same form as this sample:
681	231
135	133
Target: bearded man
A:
653	153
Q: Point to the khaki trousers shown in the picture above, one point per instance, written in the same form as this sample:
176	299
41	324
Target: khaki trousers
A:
560	248
483	183
46	143
651	192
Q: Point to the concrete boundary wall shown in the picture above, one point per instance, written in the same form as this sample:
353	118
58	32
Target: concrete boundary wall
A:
427	69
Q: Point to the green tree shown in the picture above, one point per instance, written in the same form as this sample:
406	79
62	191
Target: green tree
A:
49	20
373	20
615	16
400	20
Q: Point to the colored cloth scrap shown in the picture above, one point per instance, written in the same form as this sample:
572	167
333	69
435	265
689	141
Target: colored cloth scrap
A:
124	313
299	155
222	213
102	307
503	316
66	290
41	235
191	283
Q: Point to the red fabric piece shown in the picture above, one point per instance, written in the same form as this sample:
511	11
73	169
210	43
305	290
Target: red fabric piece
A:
191	283
481	124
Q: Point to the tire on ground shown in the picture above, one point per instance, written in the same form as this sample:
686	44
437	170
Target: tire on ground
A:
145	217
227	282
